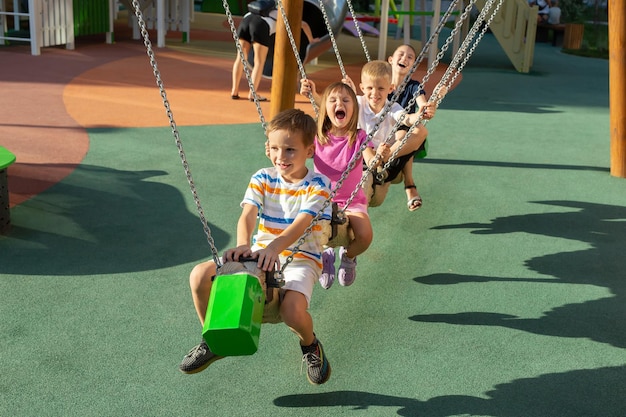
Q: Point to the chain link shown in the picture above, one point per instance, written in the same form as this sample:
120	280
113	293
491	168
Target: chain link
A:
179	145
486	26
358	30
459	23
329	27
396	94
457	64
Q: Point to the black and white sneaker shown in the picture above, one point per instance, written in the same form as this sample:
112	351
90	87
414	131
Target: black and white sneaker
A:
318	368
198	359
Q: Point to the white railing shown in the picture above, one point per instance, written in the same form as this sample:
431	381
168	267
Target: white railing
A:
163	15
51	22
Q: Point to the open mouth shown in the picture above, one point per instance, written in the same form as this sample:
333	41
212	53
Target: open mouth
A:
340	115
401	65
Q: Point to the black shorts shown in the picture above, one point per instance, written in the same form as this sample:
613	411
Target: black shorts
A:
254	29
404	128
396	166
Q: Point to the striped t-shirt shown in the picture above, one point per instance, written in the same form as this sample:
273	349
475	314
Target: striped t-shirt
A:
279	202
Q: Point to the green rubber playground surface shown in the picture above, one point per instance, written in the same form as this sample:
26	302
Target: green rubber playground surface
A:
503	296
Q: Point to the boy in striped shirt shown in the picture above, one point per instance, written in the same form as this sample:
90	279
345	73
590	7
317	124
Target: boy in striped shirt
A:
285	198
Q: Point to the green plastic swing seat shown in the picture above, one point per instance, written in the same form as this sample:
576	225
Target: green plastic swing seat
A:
422	152
232	325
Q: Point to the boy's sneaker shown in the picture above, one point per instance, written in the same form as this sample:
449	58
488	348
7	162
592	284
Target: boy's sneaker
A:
347	268
318	368
198	359
328	268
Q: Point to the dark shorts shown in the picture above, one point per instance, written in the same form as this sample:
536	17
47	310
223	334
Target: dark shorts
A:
254	29
396	166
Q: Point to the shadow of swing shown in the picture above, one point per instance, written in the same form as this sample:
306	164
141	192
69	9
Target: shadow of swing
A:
602	265
104	221
585	392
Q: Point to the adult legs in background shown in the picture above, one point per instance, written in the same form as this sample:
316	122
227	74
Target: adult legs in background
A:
238	68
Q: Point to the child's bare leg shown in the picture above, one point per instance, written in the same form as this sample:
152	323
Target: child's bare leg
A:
413	142
413	198
293	310
200	281
363	233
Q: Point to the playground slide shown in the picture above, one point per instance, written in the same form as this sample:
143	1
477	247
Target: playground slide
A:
515	28
312	14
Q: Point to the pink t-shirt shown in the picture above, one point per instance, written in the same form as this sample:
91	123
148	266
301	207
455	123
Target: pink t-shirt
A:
332	160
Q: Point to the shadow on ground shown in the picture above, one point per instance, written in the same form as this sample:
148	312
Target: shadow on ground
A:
603	264
104	221
586	392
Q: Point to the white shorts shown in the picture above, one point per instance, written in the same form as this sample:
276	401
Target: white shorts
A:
301	276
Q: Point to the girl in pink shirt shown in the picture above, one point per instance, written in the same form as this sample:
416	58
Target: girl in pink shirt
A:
338	140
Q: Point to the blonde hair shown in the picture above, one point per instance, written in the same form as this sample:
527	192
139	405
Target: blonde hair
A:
295	121
377	69
323	121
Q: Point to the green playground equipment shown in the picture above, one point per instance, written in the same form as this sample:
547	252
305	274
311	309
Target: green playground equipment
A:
237	7
232	325
91	17
6	158
422	152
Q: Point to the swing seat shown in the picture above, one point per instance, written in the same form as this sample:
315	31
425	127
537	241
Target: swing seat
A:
339	231
342	235
422	152
234	314
374	191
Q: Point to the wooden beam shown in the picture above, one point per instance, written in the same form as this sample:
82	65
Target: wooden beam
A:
285	69
617	86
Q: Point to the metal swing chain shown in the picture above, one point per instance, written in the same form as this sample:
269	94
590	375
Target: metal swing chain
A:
359	153
408	77
426	47
439	98
454	66
179	145
389	103
439	56
358	30
476	42
352	163
376	126
332	39
244	61
357	156
418	60
296	53
320	212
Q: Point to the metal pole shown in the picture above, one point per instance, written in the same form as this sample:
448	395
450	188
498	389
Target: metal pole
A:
285	68
384	27
617	86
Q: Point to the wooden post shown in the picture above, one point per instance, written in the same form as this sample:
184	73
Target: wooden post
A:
617	86
285	69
